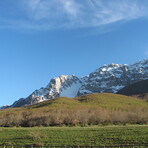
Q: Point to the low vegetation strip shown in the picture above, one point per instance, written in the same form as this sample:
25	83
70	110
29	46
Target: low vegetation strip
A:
74	136
77	146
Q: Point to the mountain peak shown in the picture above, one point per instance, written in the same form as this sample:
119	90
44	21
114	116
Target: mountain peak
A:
108	78
108	67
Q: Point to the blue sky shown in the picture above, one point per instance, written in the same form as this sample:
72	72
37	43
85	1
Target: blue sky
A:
42	39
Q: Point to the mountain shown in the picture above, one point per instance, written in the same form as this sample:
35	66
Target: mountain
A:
4	106
58	87
113	77
139	90
91	109
108	78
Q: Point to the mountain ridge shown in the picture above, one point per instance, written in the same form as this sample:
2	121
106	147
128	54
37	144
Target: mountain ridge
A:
106	79
138	90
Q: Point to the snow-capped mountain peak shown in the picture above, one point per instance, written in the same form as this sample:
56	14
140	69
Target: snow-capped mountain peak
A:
62	86
108	67
108	78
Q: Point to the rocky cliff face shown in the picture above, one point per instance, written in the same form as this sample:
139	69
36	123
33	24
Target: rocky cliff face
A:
108	78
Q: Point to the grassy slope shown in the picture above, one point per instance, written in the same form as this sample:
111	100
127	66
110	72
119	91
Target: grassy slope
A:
83	136
100	100
89	109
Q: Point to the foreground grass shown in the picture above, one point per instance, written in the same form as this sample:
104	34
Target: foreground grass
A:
83	136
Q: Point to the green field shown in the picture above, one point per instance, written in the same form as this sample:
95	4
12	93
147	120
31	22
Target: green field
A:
82	136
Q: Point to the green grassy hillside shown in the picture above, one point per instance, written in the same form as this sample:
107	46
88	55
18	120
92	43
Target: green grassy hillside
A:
99	100
92	109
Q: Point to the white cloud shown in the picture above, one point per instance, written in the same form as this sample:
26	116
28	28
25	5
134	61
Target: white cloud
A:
49	14
71	7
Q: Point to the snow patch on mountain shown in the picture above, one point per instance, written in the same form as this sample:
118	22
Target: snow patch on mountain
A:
71	91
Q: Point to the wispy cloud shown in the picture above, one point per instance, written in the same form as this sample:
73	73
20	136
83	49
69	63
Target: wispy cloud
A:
117	10
46	9
49	14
